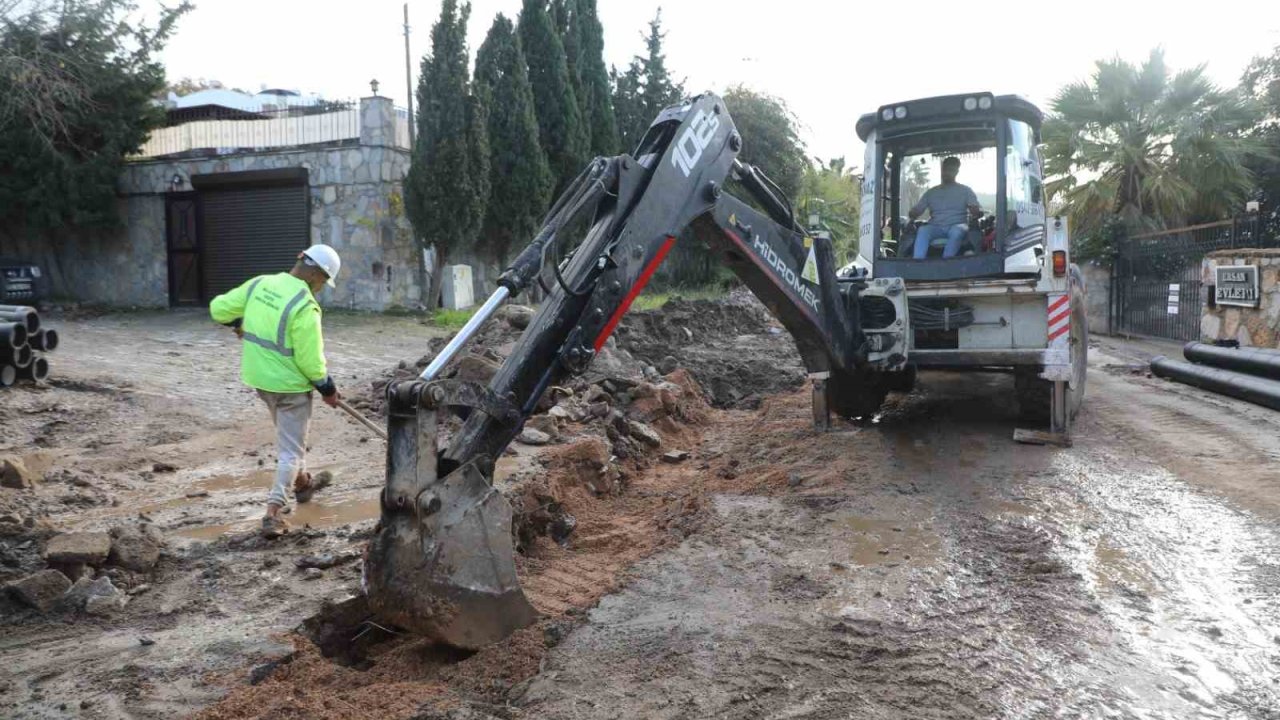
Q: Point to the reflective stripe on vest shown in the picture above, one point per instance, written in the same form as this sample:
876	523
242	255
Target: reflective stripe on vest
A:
278	345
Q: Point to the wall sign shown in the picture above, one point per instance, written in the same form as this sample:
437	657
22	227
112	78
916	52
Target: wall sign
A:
1236	285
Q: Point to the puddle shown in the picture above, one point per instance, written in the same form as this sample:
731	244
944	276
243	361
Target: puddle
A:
879	542
317	514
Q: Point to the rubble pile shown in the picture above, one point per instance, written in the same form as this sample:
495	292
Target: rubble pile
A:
632	406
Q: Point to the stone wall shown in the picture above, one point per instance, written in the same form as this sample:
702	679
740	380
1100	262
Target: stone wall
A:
1251	327
356	191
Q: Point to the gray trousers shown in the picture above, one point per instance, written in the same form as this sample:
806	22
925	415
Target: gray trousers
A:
291	413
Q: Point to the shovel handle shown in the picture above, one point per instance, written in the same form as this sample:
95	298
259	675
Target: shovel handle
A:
342	405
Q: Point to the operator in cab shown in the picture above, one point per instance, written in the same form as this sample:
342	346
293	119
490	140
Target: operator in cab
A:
950	206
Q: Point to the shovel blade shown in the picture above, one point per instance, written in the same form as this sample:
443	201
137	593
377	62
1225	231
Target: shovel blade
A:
450	575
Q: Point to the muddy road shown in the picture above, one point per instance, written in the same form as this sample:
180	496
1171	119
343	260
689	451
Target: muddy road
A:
919	565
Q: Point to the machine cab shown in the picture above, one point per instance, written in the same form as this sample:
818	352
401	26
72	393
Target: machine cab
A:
952	189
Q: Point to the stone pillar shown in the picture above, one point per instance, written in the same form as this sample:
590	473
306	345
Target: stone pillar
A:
377	121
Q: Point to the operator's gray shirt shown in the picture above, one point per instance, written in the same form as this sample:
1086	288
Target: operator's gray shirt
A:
947	204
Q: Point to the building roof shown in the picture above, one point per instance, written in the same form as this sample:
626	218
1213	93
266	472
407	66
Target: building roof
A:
237	100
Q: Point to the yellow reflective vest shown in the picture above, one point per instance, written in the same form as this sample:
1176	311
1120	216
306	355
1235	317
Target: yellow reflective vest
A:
283	347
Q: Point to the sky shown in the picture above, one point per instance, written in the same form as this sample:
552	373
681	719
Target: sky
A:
829	61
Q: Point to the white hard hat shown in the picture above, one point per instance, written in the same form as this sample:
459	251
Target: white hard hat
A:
328	260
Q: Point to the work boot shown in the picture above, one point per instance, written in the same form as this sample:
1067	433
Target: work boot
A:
306	485
273	526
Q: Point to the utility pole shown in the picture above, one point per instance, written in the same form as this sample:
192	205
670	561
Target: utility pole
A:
408	74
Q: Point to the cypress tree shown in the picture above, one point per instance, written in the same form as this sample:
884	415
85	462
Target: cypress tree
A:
520	179
446	189
560	126
594	96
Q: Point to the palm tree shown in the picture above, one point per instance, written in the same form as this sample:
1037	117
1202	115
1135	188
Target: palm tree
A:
1147	147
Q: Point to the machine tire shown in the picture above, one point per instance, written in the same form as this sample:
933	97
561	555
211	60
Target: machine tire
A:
1034	393
858	394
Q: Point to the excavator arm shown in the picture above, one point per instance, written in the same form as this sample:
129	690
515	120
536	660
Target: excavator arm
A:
442	560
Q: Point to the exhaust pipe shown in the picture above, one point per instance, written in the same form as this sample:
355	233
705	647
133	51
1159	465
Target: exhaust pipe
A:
45	340
1255	361
26	316
37	370
16	356
13	334
8	375
1256	390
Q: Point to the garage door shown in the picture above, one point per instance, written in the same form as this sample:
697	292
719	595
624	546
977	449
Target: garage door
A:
251	230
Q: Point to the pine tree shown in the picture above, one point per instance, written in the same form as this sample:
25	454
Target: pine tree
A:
645	89
447	187
520	178
560	124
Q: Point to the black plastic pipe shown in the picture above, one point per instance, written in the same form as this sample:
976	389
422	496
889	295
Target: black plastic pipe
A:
26	316
13	334
1255	361
16	356
37	370
45	340
1225	382
8	375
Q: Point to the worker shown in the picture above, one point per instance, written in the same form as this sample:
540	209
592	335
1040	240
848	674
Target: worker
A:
278	319
950	206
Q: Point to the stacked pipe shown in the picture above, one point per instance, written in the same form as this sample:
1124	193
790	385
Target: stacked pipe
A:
23	343
1251	374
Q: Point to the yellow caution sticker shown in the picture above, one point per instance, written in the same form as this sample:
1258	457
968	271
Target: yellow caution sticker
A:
810	271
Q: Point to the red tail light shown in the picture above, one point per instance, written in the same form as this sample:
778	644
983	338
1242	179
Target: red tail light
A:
1059	262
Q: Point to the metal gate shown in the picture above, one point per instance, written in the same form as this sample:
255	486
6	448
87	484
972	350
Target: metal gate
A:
1155	282
251	223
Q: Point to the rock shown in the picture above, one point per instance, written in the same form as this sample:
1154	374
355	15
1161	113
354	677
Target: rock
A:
668	365
325	561
675	456
78	596
312	574
598	409
14	473
146	641
559	412
644	433
598	394
518	316
475	368
198	494
163	467
40	590
134	549
530	436
544	423
104	605
81	547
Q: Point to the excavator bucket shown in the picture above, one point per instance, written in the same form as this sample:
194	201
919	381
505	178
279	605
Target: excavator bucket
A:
442	563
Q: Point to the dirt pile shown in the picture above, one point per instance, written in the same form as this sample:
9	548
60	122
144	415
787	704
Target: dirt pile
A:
734	349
